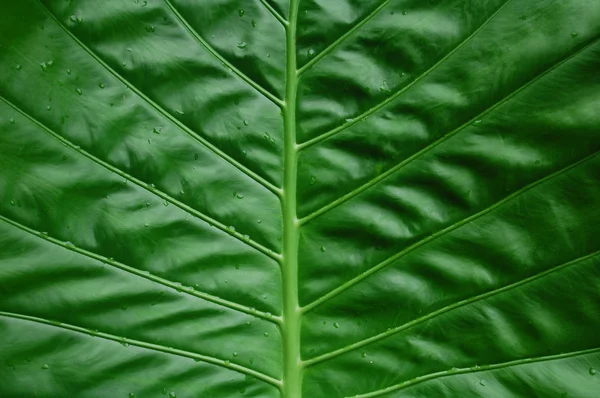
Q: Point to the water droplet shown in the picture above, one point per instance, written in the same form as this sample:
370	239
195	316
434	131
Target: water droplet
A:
264	296
266	334
259	221
231	228
12	120
482	383
245	122
240	196
404	13
348	120
384	87
311	52
592	372
172	394
131	395
78	91
226	362
45	367
164	391
322	249
363	355
371	362
19	67
251	360
73	18
242	390
48	108
101	85
165	202
124	343
248	323
150	28
336	325
253	23
235	354
44	66
477	122
312	180
156	130
69	244
242	44
241	13
574	34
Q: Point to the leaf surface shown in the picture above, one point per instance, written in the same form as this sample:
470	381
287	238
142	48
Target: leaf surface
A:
300	198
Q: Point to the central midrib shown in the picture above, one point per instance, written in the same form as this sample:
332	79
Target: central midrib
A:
292	377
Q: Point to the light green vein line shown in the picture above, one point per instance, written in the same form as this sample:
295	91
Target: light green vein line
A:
441	311
291	317
149	346
440	140
175	286
251	174
222	59
475	369
349	33
145	186
423	75
345	286
275	13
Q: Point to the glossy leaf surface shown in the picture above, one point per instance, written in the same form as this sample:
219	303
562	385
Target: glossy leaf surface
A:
300	198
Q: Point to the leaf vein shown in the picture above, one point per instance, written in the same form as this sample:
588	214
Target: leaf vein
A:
475	369
221	58
188	209
342	38
245	170
391	98
148	276
448	308
355	192
345	286
270	8
147	345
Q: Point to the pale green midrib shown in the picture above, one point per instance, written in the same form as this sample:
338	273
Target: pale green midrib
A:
146	345
476	369
290	329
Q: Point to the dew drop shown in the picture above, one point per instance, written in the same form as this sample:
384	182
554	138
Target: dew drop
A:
482	382
231	228
48	108
235	354
240	196
363	355
164	391
253	23
311	52
322	249
336	325
574	34
156	130
131	395
150	28
592	372
312	180
44	66
45	367
226	362
245	122
12	120
19	66
73	18
404	13
165	202
242	44
241	13
477	122
101	85
266	334
259	221
78	91
237	266
172	394
68	71
251	360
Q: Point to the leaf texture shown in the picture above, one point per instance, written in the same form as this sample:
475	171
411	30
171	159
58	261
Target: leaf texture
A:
300	198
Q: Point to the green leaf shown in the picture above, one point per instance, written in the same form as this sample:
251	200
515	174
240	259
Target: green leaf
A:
300	198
